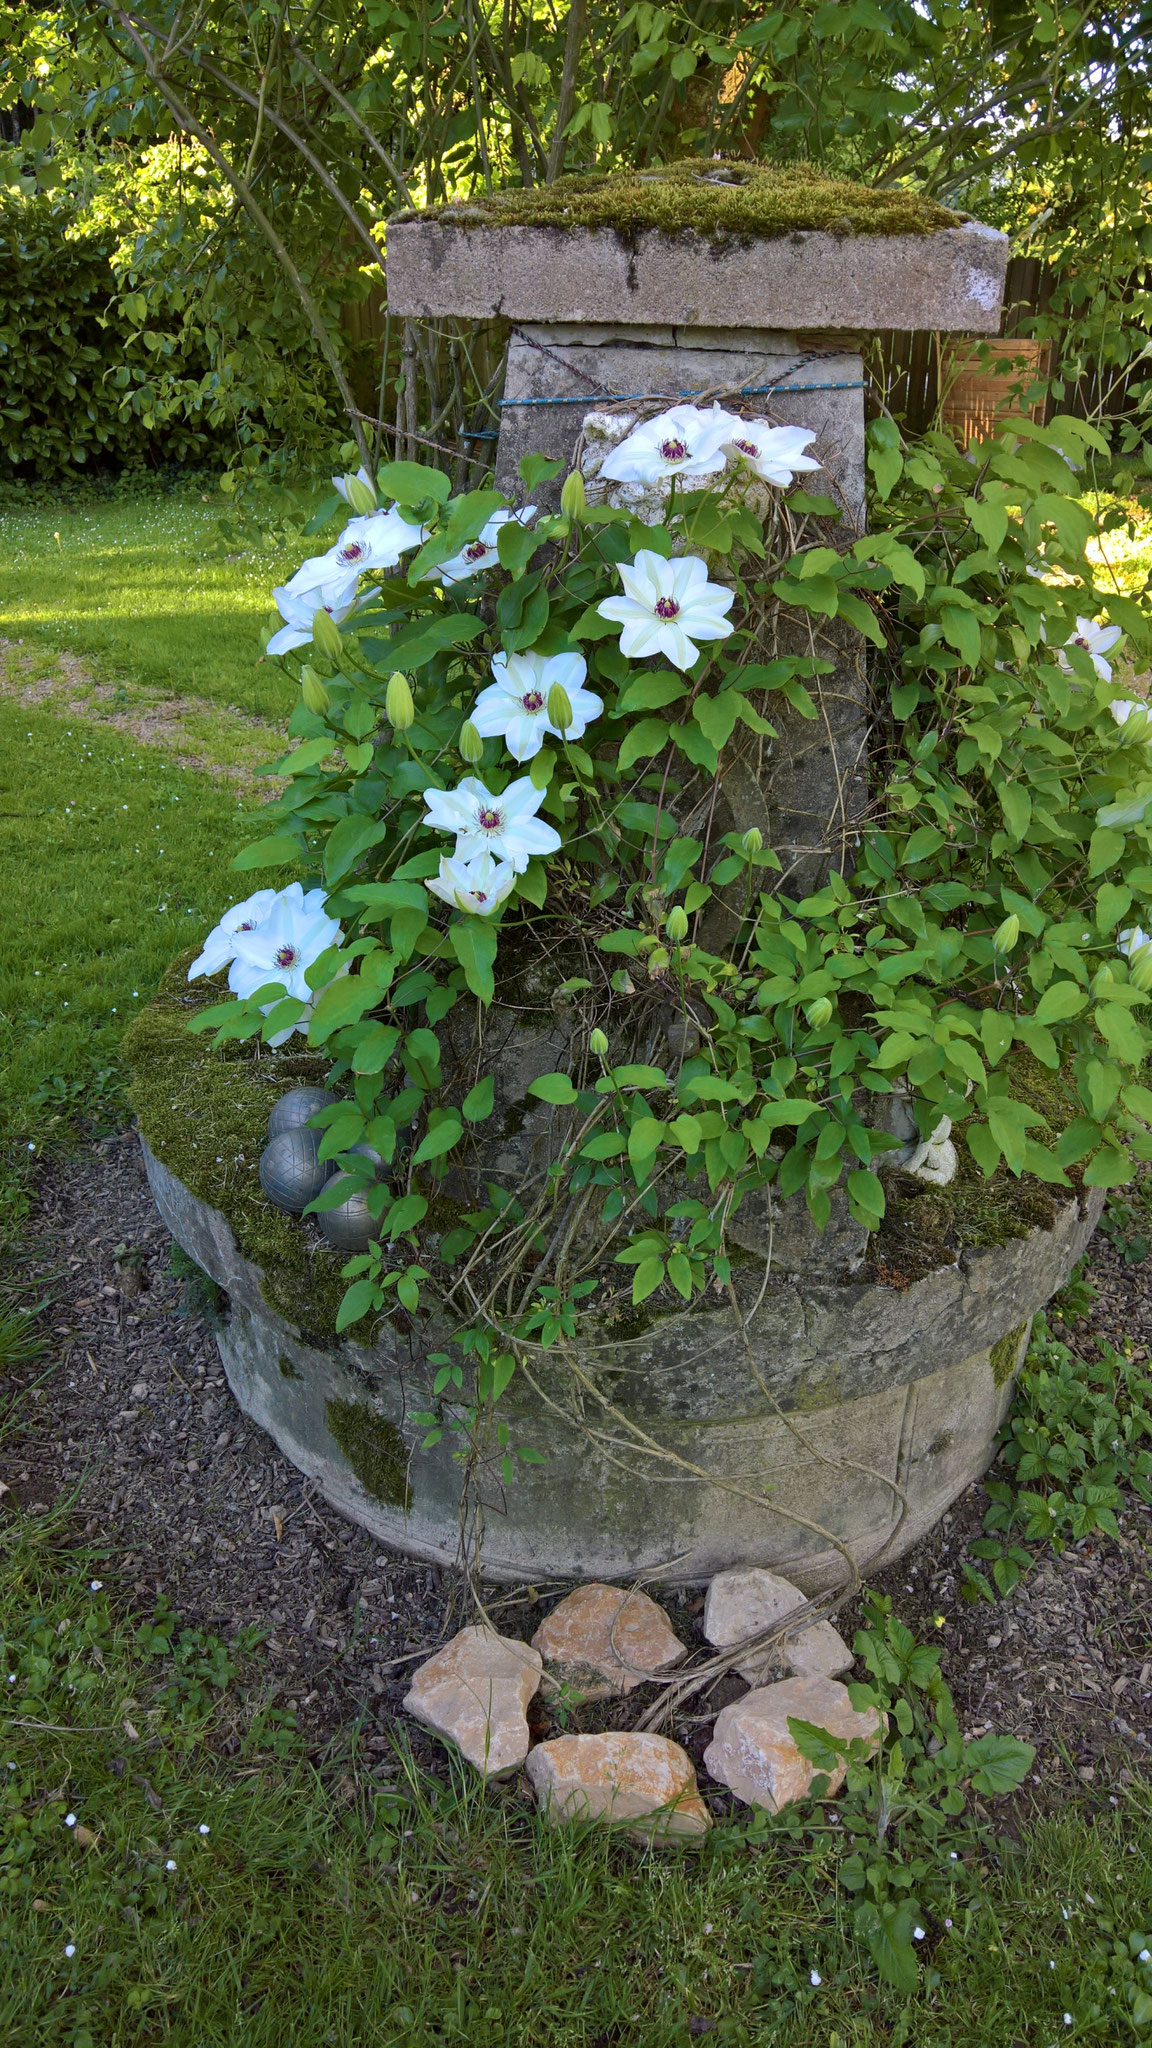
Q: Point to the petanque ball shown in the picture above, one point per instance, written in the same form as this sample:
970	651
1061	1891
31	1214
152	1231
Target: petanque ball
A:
291	1171
352	1227
296	1107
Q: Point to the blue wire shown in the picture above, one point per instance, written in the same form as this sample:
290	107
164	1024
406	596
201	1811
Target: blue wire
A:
625	397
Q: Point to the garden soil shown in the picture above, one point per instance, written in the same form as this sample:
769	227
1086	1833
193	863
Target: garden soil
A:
130	1423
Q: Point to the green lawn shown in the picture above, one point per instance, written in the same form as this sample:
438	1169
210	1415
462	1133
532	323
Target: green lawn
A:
139	583
264	1900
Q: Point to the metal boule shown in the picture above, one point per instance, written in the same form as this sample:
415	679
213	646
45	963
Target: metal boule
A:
291	1170
296	1107
351	1227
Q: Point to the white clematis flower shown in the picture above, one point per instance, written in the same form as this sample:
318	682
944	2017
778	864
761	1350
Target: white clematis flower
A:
480	553
505	826
375	541
1132	941
776	454
667	607
515	707
478	886
685	441
284	944
1096	641
220	945
298	610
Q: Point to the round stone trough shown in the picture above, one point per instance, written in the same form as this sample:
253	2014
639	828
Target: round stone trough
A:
854	1409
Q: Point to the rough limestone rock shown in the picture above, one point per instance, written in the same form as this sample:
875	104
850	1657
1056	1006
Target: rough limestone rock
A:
474	1692
638	1778
752	1752
747	1601
602	1640
818	1652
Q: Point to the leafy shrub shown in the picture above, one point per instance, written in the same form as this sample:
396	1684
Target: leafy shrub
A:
74	374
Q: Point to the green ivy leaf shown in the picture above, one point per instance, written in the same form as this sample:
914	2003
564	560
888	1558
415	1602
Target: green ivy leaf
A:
477	1104
556	1088
273	852
439	1140
474	942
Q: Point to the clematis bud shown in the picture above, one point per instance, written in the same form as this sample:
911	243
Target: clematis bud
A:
559	708
1006	934
359	494
316	698
398	703
470	743
753	840
819	1013
326	635
1103	976
1140	969
598	1044
573	501
676	923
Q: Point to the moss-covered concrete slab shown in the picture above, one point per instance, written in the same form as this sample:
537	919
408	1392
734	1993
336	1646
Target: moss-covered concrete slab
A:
720	197
951	279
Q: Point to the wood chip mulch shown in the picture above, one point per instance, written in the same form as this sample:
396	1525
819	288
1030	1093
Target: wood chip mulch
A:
133	1419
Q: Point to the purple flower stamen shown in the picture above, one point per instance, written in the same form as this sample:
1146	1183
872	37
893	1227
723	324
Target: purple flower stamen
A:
286	956
746	447
533	701
667	608
476	551
488	821
673	451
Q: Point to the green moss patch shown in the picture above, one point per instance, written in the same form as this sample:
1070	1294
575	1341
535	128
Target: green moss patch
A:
925	1227
374	1448
1005	1353
713	197
204	1113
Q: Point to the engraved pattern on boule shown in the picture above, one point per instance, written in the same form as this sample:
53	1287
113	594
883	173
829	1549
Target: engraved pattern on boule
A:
291	1170
296	1107
351	1227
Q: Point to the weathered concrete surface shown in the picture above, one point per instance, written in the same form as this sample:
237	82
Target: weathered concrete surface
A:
606	1640
552	382
952	280
475	1692
863	1410
643	1779
753	1753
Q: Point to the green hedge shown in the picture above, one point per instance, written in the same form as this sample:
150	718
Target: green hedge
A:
74	377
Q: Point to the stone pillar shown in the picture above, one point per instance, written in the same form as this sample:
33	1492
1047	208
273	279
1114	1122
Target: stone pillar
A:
773	326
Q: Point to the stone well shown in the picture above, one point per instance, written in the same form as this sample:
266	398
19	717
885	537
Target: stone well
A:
845	1407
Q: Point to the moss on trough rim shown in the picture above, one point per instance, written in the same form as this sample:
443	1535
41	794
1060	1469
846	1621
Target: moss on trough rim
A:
717	197
204	1112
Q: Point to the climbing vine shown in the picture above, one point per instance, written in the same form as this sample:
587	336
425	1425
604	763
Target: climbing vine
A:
530	682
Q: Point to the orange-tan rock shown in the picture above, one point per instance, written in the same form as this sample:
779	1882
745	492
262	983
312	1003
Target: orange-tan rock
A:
753	1753
603	1640
749	1600
642	1780
475	1692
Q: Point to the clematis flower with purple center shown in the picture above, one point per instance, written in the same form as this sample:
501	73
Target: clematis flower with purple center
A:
514	707
667	607
506	826
685	441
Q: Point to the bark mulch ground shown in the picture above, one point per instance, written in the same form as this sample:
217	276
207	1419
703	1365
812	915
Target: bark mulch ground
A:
133	1419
